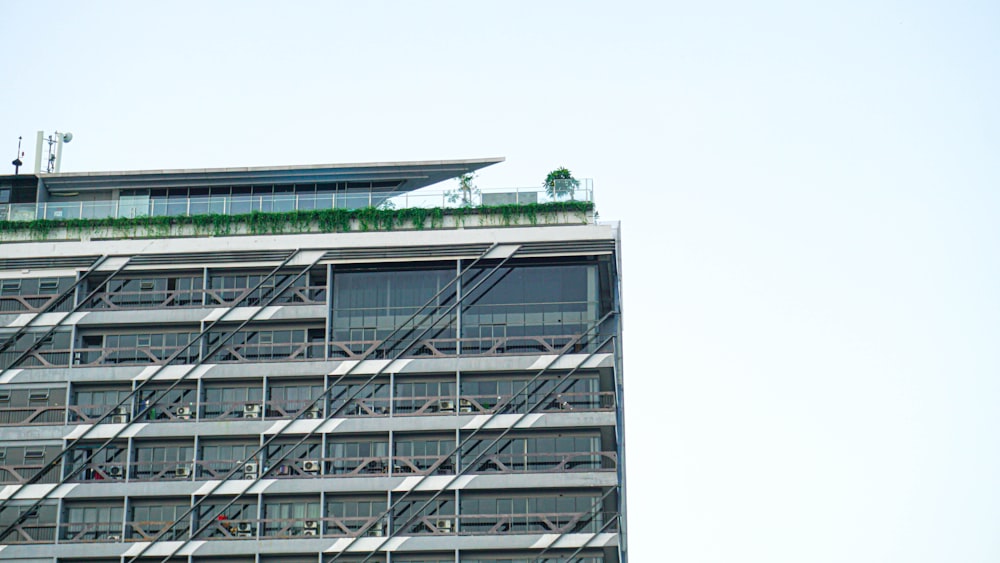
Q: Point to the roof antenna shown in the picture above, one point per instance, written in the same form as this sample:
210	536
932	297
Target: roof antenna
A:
17	158
55	156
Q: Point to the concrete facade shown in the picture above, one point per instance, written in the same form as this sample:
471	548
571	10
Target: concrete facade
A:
452	394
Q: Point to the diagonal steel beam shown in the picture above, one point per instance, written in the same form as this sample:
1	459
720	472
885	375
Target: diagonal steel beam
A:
326	392
55	462
499	410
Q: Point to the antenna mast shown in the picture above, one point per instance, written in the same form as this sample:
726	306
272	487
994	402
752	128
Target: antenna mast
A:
17	157
54	161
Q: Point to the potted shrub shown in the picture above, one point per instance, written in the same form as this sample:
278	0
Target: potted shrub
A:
560	183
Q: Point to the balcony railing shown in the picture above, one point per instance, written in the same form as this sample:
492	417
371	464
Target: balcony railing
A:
222	410
449	347
30	532
22	472
254	352
99	471
368	466
31	303
494	524
270	203
529	523
423	465
302	351
431	405
223	528
148	530
312	295
11	416
545	462
90	532
162	471
229	529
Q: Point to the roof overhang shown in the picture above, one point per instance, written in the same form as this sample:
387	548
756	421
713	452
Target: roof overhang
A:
410	175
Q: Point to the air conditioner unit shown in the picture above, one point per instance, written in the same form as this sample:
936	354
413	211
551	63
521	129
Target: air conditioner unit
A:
251	410
250	470
310	532
182	471
446	526
310	466
113	538
377	529
464	405
119	415
313	412
446	405
115	472
244	530
183	413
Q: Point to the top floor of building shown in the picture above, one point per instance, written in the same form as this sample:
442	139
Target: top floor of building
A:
310	193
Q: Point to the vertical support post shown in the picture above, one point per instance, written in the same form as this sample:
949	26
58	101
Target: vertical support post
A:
458	313
392	394
329	312
128	459
38	154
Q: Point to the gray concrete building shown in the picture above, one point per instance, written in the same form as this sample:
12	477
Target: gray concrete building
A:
308	364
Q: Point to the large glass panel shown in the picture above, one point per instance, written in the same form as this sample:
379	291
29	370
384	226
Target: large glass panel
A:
529	308
148	520
134	204
358	457
369	305
292	517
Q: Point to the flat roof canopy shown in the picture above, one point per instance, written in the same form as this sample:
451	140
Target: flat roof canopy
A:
409	175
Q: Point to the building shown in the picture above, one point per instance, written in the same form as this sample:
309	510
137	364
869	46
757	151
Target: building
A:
363	370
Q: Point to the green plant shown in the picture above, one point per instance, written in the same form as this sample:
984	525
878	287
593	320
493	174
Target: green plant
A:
322	220
466	193
560	182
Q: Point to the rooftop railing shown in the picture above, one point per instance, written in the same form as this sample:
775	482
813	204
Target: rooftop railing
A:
140	206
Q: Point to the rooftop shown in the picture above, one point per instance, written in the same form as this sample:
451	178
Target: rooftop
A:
323	197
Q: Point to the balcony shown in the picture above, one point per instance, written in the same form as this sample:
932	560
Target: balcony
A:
527	523
155	299
30	531
32	303
286	202
433	405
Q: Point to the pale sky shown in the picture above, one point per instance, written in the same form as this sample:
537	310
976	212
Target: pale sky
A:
808	194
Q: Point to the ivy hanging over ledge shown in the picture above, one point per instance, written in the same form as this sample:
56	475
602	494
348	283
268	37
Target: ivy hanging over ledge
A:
303	221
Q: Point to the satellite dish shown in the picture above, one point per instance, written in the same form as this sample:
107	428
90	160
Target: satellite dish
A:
67	137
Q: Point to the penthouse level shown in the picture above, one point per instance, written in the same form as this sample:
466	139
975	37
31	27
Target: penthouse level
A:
237	191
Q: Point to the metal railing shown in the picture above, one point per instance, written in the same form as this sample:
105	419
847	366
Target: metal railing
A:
255	352
272	203
326	526
20	472
430	405
31	303
305	351
493	524
115	300
32	415
30	532
545	462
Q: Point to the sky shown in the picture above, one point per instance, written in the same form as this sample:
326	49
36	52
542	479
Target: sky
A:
807	191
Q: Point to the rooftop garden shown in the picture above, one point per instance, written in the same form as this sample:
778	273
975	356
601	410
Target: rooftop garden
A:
301	221
560	199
